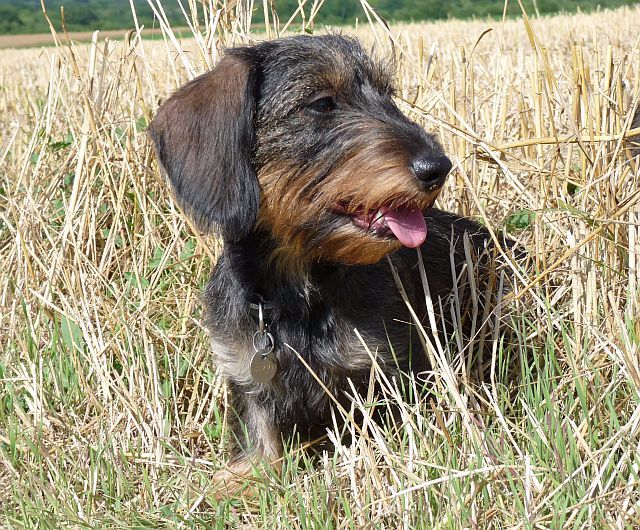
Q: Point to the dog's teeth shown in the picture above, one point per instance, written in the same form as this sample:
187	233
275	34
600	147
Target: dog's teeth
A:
380	216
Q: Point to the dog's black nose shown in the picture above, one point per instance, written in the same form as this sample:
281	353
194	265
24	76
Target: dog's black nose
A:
431	170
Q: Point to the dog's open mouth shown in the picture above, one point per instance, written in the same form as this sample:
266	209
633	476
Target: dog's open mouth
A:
404	223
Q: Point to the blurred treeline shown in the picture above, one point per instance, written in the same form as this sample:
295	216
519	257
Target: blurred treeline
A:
25	16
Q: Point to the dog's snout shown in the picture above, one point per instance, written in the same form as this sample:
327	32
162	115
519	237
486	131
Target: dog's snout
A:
431	170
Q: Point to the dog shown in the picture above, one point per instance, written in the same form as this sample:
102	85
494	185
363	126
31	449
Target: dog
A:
295	152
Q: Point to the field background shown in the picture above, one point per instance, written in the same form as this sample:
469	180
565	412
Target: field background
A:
25	16
111	413
30	40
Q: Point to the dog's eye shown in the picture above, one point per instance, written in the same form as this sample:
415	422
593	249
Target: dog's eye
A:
323	105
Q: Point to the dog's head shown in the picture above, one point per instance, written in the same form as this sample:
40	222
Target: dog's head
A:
300	137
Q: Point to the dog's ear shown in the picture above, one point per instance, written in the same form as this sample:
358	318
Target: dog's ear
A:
204	139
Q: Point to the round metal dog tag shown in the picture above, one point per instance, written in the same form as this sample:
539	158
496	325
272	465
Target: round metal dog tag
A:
263	367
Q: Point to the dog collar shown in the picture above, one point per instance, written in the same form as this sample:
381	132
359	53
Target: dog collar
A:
263	365
258	305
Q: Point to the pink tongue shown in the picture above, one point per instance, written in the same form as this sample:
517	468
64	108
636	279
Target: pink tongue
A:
407	225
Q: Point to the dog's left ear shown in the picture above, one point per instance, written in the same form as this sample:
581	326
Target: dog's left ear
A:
204	139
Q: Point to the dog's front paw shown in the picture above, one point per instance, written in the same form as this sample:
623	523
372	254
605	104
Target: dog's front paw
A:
243	478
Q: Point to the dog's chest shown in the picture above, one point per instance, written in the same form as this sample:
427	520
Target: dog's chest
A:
325	342
330	329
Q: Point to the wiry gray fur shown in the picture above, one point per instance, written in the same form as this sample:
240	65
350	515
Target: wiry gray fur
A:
316	308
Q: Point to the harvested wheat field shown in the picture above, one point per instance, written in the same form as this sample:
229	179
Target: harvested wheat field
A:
48	39
112	414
